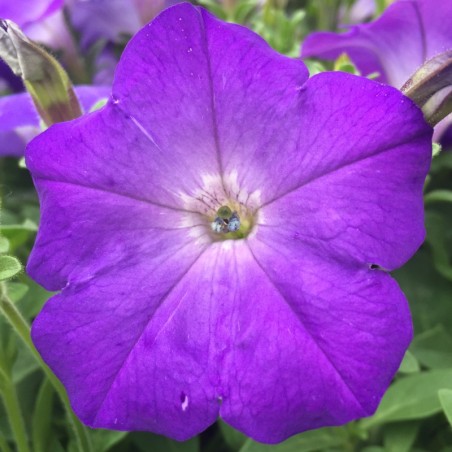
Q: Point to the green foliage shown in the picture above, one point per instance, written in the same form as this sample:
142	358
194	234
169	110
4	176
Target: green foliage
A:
9	267
411	397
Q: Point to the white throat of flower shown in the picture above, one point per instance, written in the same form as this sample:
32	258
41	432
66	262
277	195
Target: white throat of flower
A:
220	209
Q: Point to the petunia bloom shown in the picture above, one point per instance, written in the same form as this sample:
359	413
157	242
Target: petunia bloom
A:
409	33
167	315
109	19
19	120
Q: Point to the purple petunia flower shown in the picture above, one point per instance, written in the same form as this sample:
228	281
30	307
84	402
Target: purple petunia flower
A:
109	19
409	33
220	234
19	120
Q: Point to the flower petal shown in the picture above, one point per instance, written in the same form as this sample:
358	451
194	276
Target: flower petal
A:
220	91
125	362
225	335
358	173
318	341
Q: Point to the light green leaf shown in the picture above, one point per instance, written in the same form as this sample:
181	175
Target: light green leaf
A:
16	291
411	397
101	103
400	436
313	440
445	398
436	149
409	364
9	267
4	245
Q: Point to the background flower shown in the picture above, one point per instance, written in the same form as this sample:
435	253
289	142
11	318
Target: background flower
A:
19	120
296	326
409	33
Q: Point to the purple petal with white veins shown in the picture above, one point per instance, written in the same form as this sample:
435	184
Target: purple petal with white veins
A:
161	325
19	120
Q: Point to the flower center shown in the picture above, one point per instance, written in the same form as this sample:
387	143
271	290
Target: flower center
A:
221	209
228	225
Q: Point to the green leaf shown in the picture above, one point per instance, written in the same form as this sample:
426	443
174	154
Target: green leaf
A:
400	436
344	64
102	102
18	234
25	363
4	245
411	397
233	437
445	399
16	291
436	149
103	440
433	348
313	440
428	292
314	67
41	424
409	364
9	267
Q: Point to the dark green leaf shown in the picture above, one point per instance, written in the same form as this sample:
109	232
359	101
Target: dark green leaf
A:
149	442
233	437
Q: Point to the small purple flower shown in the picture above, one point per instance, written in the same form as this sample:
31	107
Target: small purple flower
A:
110	19
165	321
19	120
409	33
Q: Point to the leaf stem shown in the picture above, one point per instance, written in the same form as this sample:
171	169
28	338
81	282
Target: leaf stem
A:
21	327
13	412
4	444
438	196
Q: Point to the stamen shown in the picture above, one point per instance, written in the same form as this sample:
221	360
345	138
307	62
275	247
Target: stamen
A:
226	221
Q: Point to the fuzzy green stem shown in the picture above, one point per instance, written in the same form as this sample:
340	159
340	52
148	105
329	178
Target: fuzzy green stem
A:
21	327
12	408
